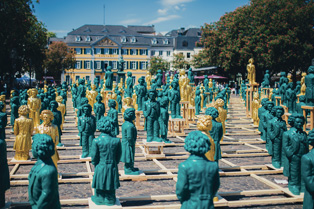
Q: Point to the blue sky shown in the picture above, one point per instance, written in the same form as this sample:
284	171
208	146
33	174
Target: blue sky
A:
61	16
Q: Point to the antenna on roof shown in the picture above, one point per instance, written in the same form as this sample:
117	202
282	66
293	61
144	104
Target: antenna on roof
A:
104	14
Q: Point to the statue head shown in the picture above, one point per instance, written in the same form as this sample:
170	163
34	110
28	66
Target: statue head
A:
112	103
129	74
174	85
197	143
81	81
256	96
93	87
251	60
87	109
303	74
264	101
204	123
59	99
283	74
34	92
84	100
128	101
220	102
147	73
152	94
212	111
109	68
98	98
46	116
105	125
129	114
299	121
310	69
53	105
269	105
291	120
302	98
267	71
23	110
279	111
140	80
159	71
43	146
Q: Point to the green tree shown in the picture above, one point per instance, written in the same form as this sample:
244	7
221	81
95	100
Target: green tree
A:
23	40
277	34
157	63
179	62
58	58
51	34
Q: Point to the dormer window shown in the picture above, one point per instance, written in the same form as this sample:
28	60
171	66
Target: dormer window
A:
122	31
166	41
123	39
78	38
154	41
133	40
105	30
87	38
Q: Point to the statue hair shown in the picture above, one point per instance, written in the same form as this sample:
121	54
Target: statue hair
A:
112	103
128	113
54	102
47	112
291	119
43	146
23	110
105	125
197	143
89	107
300	116
264	100
212	111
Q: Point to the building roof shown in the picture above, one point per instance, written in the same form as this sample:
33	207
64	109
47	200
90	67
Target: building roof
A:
143	29
185	32
186	43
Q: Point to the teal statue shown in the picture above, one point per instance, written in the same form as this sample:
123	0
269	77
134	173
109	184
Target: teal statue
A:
154	85
211	93
266	83
87	127
74	96
309	83
197	100
3	121
96	83
43	188
106	154
216	132
299	105
14	110
4	174
164	119
109	78
291	97
141	93
159	78
119	101
129	135
266	117
191	75
283	87
129	85
260	113
99	108
276	128
295	147
81	91
198	178
57	118
307	172
285	138
113	114
175	98
152	113
83	101
298	87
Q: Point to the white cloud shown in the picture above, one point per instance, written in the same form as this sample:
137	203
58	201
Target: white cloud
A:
163	19
162	11
130	21
167	3
176	7
61	31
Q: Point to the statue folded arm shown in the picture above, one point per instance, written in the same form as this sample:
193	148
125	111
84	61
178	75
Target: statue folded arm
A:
95	153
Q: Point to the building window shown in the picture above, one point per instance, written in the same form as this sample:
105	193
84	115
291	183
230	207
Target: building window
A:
87	38
152	53
124	51
78	64
133	65
123	39
185	43
143	51
133	52
98	77
125	65
98	50
160	53
77	77
133	40
78	38
106	51
98	65
114	51
78	50
168	53
143	65
188	55
154	41
87	64
166	41
87	77
114	65
88	51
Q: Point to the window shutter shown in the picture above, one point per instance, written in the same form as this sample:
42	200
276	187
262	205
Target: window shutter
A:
94	50
75	65
128	51
136	65
102	51
110	51
110	64
81	65
91	64
95	64
83	51
136	51
118	51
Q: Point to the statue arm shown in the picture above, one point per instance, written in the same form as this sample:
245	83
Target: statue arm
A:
306	172
119	152
80	125
16	128
32	127
182	184
95	153
94	124
287	145
216	180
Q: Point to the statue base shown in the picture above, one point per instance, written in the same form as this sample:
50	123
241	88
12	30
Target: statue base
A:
179	123
157	150
7	205
20	161
311	109
141	177
92	205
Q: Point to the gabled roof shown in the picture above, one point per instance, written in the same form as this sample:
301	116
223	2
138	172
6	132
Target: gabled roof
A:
142	29
103	30
185	32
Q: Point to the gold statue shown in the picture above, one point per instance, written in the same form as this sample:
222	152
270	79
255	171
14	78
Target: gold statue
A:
202	95
134	98
255	106
148	79
290	78
61	108
204	124
23	129
183	81
128	103
222	113
52	130
303	86
2	99
189	92
92	94
34	104
11	93
251	71
120	87
210	83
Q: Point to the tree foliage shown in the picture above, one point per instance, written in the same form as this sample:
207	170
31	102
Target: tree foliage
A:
179	61
51	34
58	58
23	39
277	34
157	63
